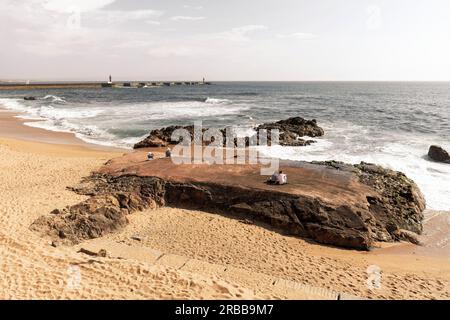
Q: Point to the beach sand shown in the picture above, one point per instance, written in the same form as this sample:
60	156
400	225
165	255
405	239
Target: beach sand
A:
176	253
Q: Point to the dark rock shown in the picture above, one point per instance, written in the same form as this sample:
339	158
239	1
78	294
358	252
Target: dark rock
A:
29	98
246	221
399	203
438	154
54	244
56	211
93	218
101	253
162	137
290	132
292	129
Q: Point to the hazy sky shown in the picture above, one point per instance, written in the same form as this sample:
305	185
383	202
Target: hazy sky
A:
225	40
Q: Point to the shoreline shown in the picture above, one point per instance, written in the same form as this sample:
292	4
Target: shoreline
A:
12	127
42	163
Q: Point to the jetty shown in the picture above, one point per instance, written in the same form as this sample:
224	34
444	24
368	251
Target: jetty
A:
99	85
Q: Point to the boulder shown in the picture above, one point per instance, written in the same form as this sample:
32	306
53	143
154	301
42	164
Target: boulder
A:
438	154
161	137
291	131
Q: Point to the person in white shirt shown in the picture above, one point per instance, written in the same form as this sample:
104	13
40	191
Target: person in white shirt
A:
150	156
282	178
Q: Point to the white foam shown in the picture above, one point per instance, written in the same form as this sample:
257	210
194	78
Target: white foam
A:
173	110
50	112
217	101
14	105
54	98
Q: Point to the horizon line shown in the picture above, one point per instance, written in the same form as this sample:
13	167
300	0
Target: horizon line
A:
208	80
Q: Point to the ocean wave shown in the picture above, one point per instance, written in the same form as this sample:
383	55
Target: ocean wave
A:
87	133
62	125
14	104
249	117
216	101
48	111
244	94
54	99
184	110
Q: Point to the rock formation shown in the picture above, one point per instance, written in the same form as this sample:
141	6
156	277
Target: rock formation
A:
290	132
438	154
332	203
93	218
162	137
292	129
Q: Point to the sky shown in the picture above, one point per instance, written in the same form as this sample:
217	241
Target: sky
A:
232	40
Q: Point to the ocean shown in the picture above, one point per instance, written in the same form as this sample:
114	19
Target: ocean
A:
391	124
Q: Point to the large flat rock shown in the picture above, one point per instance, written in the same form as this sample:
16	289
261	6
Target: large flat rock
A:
305	179
331	203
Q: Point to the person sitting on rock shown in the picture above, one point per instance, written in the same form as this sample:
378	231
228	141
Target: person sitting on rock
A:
168	153
150	156
282	178
273	179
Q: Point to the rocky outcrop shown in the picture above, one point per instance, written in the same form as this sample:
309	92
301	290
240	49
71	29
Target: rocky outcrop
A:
290	132
399	203
292	129
162	137
101	214
332	203
438	154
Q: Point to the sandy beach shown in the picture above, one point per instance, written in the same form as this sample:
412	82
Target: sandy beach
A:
177	253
